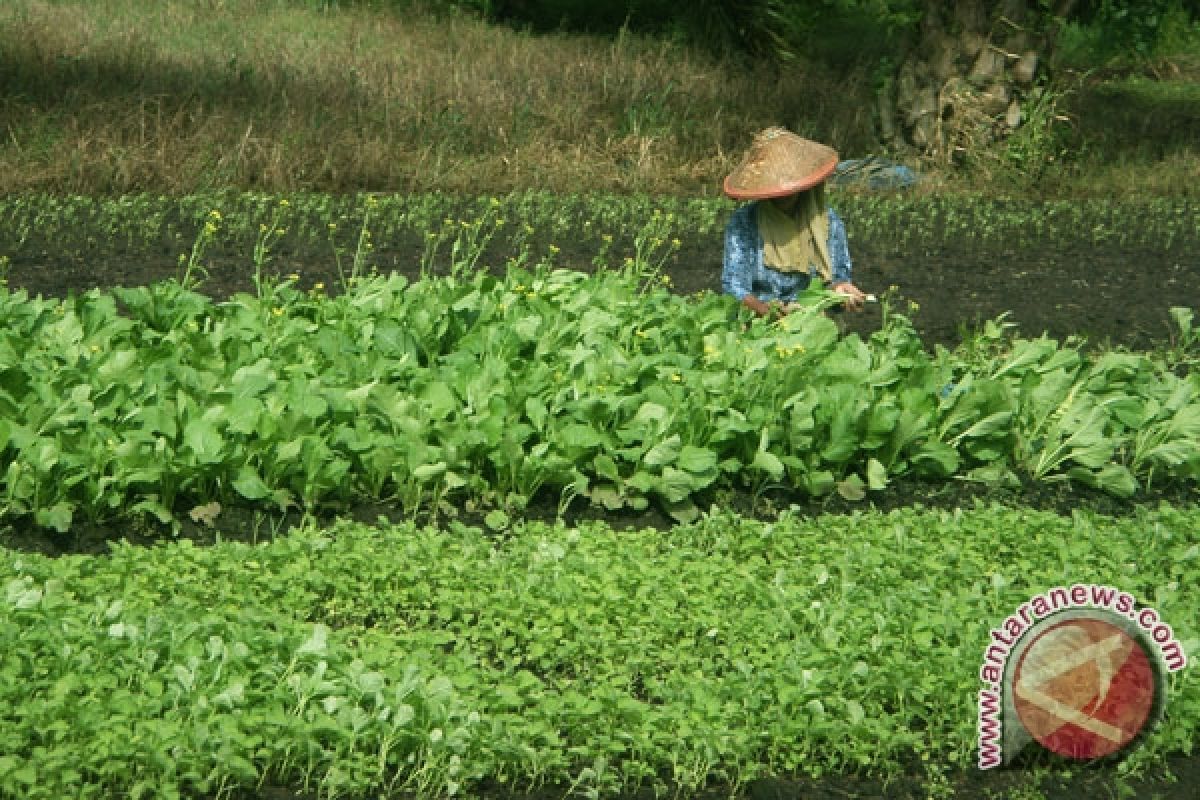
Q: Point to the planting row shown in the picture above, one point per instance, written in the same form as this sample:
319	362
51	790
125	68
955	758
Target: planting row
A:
354	661
603	388
84	226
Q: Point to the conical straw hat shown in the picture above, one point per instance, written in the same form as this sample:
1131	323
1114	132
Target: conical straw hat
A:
780	163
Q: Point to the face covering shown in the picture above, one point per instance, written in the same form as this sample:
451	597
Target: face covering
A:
797	241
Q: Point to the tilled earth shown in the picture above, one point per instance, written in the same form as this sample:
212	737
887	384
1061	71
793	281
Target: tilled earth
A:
1113	297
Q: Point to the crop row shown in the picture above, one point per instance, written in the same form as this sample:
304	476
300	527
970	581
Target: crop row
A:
603	388
36	224
355	661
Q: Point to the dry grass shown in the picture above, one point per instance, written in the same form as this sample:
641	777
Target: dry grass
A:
123	96
106	97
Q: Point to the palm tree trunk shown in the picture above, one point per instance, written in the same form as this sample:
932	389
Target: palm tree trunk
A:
964	84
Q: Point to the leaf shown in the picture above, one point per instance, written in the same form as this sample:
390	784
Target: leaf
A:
427	472
154	508
675	485
496	520
606	468
536	411
27	599
650	416
404	715
1183	318
696	460
117	365
683	512
57	516
1115	479
992	423
937	458
206	514
204	441
665	452
440	400
249	484
852	488
253	379
244	414
876	475
768	463
606	496
577	436
317	643
527	328
818	483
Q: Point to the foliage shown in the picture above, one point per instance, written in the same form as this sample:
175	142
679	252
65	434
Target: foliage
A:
1134	27
358	662
490	387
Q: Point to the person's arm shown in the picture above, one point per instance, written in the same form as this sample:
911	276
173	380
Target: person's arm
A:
741	257
839	250
840	264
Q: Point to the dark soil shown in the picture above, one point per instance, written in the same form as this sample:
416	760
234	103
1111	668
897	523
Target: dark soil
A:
1113	297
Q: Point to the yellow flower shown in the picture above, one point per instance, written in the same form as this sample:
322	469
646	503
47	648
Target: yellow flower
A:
318	286
283	203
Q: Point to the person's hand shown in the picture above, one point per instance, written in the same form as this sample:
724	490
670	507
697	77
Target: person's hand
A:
757	306
854	296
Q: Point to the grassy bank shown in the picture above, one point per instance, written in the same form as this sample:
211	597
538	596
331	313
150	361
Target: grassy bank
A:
108	97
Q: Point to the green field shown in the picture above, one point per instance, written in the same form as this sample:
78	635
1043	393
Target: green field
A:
355	661
373	426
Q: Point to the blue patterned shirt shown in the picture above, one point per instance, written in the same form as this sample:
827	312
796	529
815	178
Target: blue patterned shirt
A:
744	272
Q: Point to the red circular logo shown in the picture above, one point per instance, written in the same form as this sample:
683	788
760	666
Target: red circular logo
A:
1084	688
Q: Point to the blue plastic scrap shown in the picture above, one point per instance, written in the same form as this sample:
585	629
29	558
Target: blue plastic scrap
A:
873	173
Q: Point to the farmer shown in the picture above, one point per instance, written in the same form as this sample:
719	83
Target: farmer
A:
776	244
